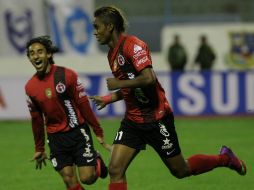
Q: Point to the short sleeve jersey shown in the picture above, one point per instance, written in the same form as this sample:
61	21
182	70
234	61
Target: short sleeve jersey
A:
56	98
129	57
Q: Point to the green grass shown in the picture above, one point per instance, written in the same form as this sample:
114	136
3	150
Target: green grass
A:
147	172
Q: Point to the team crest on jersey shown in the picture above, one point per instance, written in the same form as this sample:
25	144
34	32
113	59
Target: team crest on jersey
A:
60	87
48	93
120	60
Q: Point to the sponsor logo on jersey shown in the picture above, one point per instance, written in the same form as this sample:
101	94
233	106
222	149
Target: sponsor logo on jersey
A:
90	160
88	153
139	53
73	119
131	75
83	131
48	93
143	60
167	144
168	153
163	130
120	60
136	48
60	87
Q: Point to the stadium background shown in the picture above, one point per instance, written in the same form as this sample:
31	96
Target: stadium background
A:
213	108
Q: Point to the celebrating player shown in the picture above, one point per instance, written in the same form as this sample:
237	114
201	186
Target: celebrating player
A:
148	118
56	99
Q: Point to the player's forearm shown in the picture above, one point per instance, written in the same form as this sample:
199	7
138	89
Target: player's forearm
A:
112	97
145	78
39	134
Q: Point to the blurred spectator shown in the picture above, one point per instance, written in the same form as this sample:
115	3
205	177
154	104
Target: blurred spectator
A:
205	56
177	57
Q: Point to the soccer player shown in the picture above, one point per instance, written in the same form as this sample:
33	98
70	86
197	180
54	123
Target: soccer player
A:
57	100
148	118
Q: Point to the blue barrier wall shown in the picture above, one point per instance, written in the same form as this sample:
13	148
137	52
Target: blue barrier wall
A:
191	93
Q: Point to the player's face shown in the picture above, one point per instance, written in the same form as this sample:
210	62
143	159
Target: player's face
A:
102	31
39	57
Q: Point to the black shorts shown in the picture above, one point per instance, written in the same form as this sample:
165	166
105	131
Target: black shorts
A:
161	135
72	147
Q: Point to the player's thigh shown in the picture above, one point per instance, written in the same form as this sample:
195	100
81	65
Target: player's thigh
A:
176	163
68	174
121	156
86	173
127	144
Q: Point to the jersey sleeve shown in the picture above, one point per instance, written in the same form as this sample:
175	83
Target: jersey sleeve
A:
37	125
83	104
137	52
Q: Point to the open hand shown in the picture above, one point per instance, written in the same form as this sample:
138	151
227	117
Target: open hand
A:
40	159
98	102
104	144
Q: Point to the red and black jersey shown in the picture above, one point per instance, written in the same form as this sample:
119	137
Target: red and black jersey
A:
59	102
129	57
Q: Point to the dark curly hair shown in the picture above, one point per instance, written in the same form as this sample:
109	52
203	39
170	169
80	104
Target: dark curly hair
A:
46	42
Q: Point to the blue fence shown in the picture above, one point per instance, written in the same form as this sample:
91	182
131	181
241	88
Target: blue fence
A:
191	93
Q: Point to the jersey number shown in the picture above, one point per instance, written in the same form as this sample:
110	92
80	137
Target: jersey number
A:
119	135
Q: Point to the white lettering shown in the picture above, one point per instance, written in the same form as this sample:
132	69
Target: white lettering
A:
194	101
73	120
224	102
139	54
143	60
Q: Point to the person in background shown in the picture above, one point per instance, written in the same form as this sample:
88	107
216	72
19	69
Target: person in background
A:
149	118
56	99
177	56
205	56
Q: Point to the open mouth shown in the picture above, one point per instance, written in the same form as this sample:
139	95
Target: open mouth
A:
38	64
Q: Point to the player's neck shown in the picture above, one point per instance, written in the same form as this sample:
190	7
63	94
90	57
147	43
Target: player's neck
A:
115	38
41	75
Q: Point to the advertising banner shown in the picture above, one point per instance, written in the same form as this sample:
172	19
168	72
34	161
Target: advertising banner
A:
68	22
190	94
20	21
70	25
